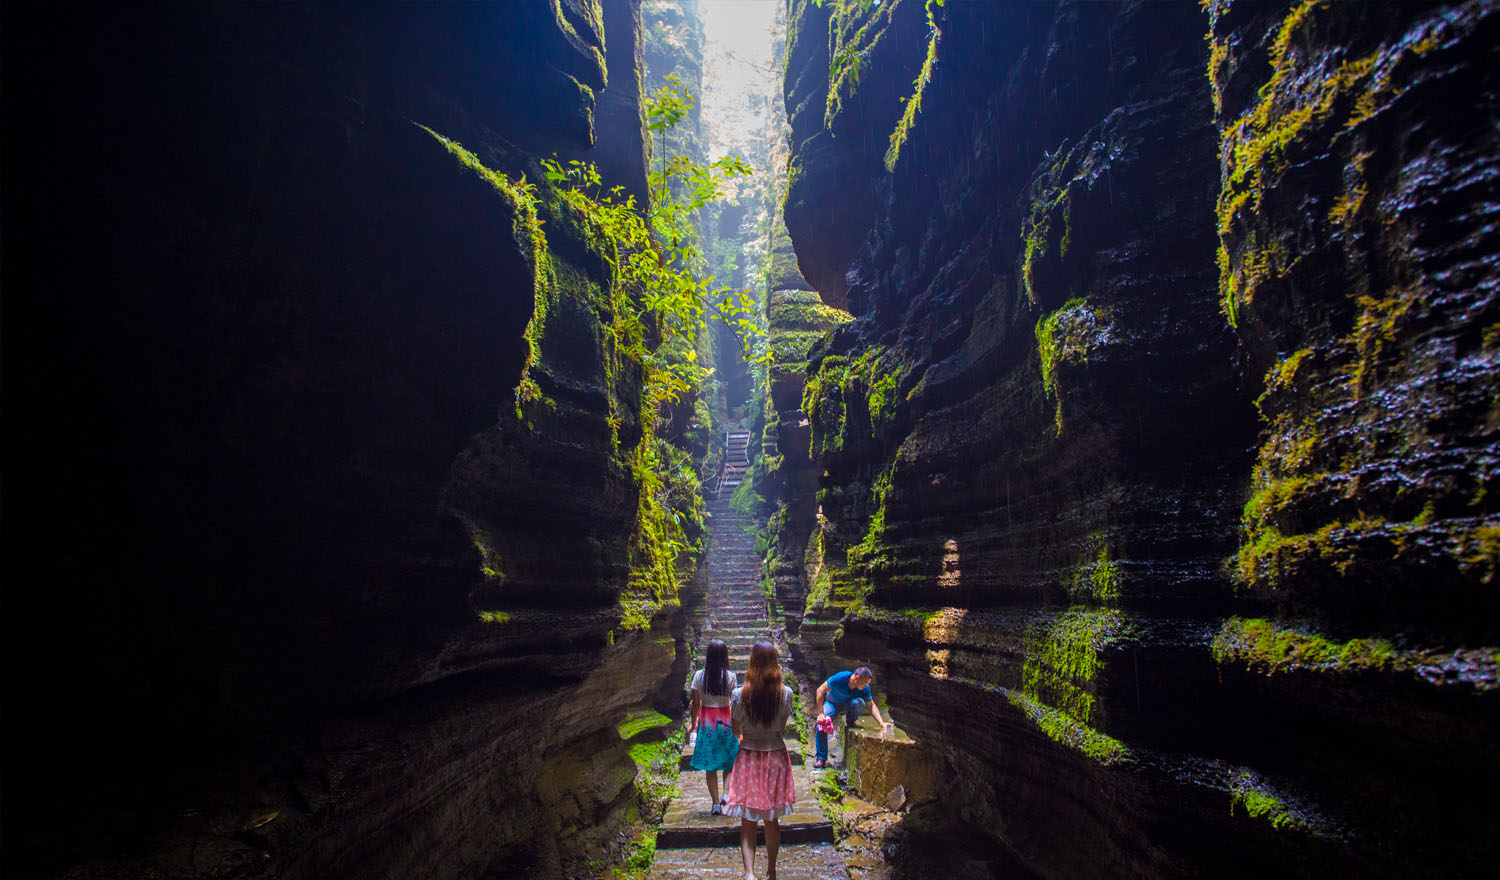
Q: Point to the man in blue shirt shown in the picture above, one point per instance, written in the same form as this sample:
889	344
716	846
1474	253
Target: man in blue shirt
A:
849	693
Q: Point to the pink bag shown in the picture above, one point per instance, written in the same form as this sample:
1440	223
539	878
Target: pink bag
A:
825	724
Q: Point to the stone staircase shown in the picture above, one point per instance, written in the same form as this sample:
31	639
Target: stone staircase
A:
736	461
692	843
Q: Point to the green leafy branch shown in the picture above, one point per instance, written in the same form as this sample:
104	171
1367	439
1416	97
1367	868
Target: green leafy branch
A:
660	299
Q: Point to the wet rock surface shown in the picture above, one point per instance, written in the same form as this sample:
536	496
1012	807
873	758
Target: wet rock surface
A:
691	841
1152	548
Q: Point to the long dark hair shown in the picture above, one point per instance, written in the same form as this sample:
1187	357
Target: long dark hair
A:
762	691
716	663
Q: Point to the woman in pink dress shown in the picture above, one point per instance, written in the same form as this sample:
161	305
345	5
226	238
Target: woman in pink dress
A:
761	788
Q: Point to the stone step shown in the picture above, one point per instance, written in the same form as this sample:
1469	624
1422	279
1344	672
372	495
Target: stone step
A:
819	861
738	620
745	638
688	823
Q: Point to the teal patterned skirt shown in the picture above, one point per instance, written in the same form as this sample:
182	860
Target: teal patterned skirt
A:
716	747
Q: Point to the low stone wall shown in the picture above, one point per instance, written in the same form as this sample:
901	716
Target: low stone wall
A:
880	763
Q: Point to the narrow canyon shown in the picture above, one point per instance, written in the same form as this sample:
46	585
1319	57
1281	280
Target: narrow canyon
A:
400	396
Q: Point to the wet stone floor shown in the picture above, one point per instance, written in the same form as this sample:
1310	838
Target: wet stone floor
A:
693	843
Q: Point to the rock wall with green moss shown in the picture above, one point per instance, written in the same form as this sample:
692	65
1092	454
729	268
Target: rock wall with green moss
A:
798	322
1182	563
342	546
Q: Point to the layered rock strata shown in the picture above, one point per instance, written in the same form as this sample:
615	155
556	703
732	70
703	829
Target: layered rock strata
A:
798	319
1180	564
330	555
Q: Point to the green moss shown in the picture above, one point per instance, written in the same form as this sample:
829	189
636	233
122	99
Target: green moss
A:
789	348
526	206
744	500
494	617
668	535
1267	556
803	310
820	579
1035	249
830	794
591	11
1063	659
1479	550
823	401
913	105
1103	577
1065	335
639	722
1259	802
1263	646
855	28
489	558
1062	728
1292	106
1049	344
870	546
1376	333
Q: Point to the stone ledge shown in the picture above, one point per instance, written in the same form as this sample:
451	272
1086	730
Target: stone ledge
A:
879	762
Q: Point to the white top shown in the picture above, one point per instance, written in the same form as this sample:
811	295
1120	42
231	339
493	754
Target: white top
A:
756	737
713	700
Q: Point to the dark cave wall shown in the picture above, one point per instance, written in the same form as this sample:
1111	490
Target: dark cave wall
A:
1179	562
266	459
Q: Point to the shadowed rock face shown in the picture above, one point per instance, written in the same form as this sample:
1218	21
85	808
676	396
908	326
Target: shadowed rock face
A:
1179	563
266	443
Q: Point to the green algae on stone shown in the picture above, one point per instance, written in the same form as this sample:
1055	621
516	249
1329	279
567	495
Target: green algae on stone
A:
1307	99
1263	646
1061	727
1063	659
661	550
855	28
804	310
639	722
1259	801
1096	578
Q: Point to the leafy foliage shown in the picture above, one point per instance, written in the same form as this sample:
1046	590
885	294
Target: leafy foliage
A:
662	302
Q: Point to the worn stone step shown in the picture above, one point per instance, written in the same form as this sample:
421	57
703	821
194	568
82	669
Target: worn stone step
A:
738	620
739	635
813	861
688	823
723	626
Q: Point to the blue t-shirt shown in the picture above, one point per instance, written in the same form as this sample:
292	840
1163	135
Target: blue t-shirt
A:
838	688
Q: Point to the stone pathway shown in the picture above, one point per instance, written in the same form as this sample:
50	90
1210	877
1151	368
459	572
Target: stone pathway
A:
691	842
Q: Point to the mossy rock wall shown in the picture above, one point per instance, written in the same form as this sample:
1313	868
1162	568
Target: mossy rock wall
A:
799	322
367	558
1152	546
